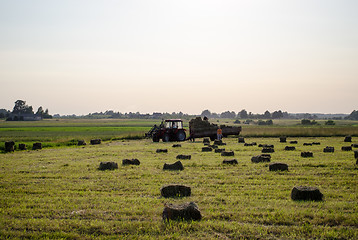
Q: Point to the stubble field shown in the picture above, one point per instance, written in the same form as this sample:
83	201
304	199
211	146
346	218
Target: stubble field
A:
59	193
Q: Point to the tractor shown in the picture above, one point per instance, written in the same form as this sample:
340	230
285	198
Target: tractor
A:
169	130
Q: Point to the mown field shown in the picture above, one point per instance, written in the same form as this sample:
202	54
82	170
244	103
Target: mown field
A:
59	193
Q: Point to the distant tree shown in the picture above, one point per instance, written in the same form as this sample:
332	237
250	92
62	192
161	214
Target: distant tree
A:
353	115
267	115
46	115
228	114
206	113
4	113
277	114
285	115
21	107
243	114
40	111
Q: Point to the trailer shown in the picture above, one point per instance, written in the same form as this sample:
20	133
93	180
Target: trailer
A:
199	128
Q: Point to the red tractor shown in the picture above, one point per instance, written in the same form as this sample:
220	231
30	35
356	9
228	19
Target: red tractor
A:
169	130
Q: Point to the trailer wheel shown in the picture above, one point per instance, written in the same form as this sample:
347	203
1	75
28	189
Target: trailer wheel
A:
166	137
180	136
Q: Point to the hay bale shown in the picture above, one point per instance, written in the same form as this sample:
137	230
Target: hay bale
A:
161	150
283	139
278	167
219	150
96	141
241	140
354	145
175	190
266	146
307	144
9	146
187	211
227	153
261	158
181	156
249	144
293	142
174	166
232	161
206	149
348	139
306	154
267	150
81	143
304	193
219	142
133	161
328	149
206	140
347	148
36	146
176	145
290	148
22	146
108	166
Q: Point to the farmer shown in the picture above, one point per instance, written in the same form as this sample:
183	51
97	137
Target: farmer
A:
219	133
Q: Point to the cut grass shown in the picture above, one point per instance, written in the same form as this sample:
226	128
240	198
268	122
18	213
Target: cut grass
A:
60	193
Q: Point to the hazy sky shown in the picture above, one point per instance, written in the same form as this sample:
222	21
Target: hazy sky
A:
170	56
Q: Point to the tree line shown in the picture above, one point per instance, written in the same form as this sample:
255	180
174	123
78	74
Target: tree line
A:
21	109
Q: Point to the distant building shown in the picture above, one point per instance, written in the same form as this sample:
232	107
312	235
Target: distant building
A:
23	117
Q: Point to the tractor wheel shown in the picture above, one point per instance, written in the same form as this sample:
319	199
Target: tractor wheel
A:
166	137
155	138
180	136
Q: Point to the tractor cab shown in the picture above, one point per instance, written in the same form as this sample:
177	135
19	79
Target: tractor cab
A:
174	124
